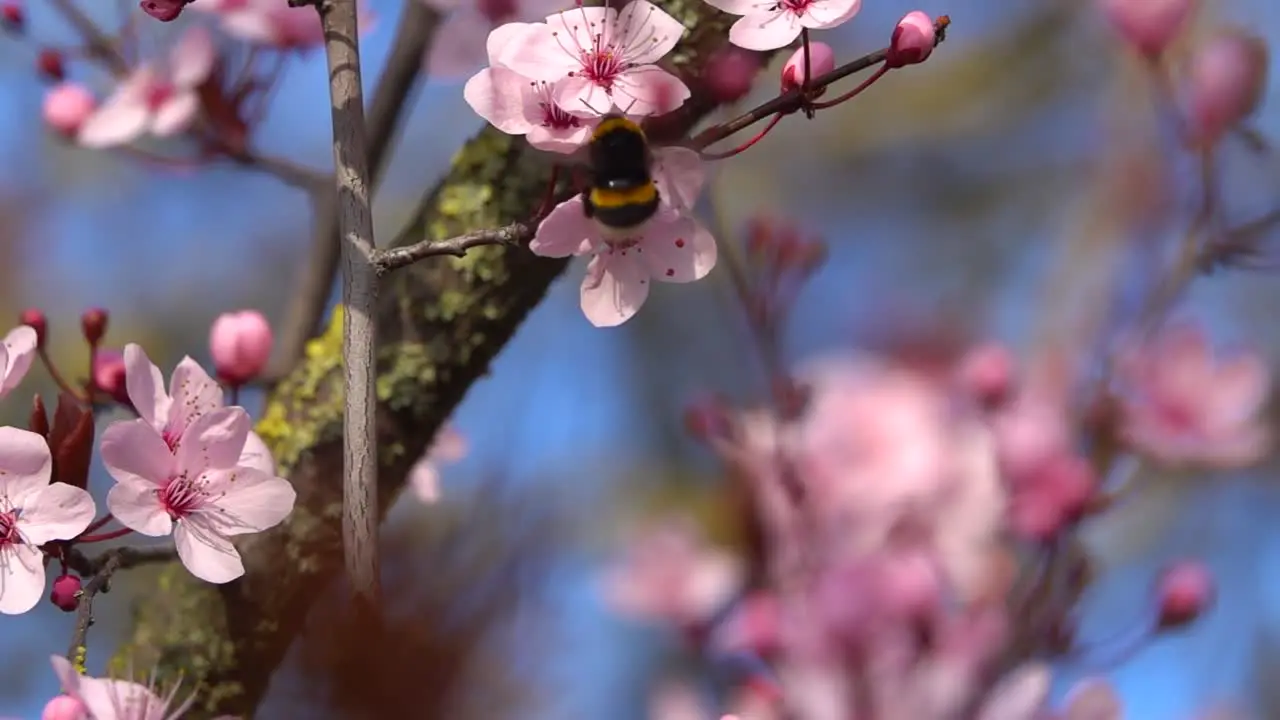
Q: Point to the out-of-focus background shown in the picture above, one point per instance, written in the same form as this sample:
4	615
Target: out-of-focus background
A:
951	194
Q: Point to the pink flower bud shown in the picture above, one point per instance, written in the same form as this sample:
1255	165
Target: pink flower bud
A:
986	374
64	595
93	323
1185	590
163	10
109	374
913	40
64	707
1148	25
730	72
240	343
12	17
35	319
50	64
66	107
1227	78
822	60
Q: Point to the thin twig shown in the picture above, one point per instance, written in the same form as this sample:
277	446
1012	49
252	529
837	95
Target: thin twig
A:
394	258
359	296
98	43
99	571
392	96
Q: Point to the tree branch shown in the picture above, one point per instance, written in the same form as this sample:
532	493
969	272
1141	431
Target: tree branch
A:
393	258
99	571
359	296
393	95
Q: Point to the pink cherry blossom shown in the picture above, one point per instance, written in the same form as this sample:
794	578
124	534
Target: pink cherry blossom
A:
1148	25
822	60
109	373
17	350
275	24
32	513
1181	405
671	247
913	40
199	495
450	446
457	49
63	707
519	106
599	59
191	394
240	344
670	573
106	699
769	26
1225	84
66	106
1020	695
162	101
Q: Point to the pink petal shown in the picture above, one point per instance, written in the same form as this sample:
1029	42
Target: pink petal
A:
565	231
247	501
679	174
456	50
1240	388
678	249
253	25
539	56
257	455
648	33
505	39
582	97
575	29
565	141
826	14
175	115
497	95
1092	699
122	117
614	289
119	700
134	452
25	465
736	7
449	446
192	58
145	385
424	479
194	393
136	507
17	350
1020	695
214	440
206	554
21	578
648	90
58	512
68	678
765	30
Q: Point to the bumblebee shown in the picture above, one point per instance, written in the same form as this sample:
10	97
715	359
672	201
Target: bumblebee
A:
621	195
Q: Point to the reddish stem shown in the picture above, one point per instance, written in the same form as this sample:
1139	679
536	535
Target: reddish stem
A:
112	535
758	136
98	523
808	74
61	382
881	72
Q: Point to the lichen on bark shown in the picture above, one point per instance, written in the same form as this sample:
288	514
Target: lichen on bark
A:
440	324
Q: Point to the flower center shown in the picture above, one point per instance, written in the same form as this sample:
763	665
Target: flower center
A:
602	63
552	116
9	528
158	95
795	6
181	497
171	438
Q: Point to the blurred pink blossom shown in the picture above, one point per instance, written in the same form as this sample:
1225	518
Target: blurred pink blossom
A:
106	699
669	573
600	58
64	707
1226	83
275	24
913	39
458	47
769	26
240	344
155	100
1185	590
109	374
1181	405
17	350
1148	25
822	60
66	106
450	446
730	72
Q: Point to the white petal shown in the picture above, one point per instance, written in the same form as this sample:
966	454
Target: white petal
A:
194	393
192	57
257	455
21	578
25	464
206	554
175	115
145	385
614	289
138	508
58	512
247	501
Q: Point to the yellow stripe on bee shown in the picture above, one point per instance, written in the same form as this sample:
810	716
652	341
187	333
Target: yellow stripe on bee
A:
642	195
610	124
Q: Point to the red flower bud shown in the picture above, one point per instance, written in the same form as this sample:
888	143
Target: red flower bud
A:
1185	591
65	595
50	64
94	325
913	40
12	17
36	320
163	10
